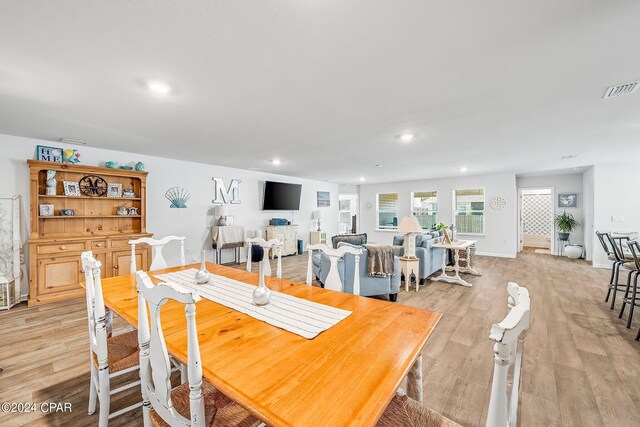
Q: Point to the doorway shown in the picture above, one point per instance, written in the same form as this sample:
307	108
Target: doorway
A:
536	220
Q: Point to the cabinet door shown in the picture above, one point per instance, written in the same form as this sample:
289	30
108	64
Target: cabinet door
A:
59	274
121	262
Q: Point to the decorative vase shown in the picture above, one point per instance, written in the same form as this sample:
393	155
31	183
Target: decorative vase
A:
51	183
139	166
111	164
203	276
563	236
261	294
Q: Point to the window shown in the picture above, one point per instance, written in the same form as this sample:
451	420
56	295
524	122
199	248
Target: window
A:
468	211
425	207
387	208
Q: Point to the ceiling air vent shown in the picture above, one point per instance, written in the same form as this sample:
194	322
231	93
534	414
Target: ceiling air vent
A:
622	89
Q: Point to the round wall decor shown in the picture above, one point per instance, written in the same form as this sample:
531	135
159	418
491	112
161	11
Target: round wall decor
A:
498	203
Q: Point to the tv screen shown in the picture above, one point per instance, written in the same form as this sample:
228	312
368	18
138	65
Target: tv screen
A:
280	196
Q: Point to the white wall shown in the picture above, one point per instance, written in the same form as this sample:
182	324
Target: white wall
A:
615	194
500	237
567	183
193	222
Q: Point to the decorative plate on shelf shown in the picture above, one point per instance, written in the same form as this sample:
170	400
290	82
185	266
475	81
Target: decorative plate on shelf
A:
498	203
93	186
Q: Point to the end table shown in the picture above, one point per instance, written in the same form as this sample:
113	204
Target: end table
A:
410	266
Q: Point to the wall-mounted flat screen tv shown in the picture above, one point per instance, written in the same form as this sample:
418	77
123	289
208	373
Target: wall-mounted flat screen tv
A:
280	196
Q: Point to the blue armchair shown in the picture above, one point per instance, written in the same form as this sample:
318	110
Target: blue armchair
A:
369	286
430	258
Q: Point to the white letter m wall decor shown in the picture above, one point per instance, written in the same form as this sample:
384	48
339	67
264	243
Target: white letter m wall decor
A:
226	195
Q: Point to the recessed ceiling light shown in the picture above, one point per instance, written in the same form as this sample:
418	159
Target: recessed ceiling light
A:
276	162
159	87
569	156
362	179
463	169
377	166
406	137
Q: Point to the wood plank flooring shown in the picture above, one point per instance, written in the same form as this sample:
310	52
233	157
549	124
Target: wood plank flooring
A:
581	365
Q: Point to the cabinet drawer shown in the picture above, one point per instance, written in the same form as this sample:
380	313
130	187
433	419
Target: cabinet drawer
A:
98	244
120	243
60	248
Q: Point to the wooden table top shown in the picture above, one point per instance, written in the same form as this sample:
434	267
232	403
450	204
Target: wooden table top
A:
345	376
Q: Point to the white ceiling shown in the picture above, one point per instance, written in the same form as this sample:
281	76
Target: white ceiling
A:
326	85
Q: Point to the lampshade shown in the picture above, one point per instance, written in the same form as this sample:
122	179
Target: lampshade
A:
317	214
223	210
409	224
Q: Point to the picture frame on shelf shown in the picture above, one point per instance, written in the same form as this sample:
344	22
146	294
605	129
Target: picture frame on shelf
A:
114	189
71	188
46	210
128	193
67	212
49	154
229	219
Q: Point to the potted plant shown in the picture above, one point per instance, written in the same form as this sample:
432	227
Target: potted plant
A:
566	223
439	227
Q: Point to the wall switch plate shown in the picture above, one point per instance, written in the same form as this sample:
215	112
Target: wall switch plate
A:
615	218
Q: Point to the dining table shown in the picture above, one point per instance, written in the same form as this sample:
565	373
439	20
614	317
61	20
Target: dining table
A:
345	376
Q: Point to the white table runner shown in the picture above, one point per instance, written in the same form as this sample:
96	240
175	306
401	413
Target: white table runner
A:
300	316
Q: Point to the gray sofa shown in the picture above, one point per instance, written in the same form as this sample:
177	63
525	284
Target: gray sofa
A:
430	257
369	286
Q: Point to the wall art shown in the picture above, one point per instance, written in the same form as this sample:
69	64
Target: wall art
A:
568	200
178	197
224	194
49	154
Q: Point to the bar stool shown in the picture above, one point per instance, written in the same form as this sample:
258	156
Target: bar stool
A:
634	269
611	256
619	258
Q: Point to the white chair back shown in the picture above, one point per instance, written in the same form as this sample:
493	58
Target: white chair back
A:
274	244
509	338
155	365
96	313
333	281
157	260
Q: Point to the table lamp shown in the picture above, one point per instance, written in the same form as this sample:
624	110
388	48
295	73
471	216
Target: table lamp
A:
223	211
317	215
410	226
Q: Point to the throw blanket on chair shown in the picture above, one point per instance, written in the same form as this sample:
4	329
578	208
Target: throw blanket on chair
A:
380	260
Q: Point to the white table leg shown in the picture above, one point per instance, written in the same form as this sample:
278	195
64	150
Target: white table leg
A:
407	278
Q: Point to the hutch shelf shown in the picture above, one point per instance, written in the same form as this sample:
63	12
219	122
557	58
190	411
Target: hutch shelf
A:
56	242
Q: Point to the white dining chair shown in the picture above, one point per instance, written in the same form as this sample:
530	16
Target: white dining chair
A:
157	260
273	244
109	356
505	388
333	281
195	403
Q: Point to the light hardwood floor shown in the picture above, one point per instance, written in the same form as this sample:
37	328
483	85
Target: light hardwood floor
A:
581	365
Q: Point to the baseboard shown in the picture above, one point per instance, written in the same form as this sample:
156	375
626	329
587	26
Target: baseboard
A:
495	255
607	266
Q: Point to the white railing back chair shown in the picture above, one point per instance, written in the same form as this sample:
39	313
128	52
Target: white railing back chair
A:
509	338
273	244
157	260
123	348
333	281
195	403
503	404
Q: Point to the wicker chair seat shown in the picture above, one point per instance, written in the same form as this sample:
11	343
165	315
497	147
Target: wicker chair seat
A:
219	410
406	412
122	352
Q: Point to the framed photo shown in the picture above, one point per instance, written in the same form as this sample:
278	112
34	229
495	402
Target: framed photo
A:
49	154
324	199
568	200
67	212
71	188
128	193
46	210
114	190
229	219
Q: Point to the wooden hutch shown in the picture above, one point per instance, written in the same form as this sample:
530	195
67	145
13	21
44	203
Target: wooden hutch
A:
56	242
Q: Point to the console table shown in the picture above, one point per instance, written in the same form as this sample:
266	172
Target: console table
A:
455	246
228	237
